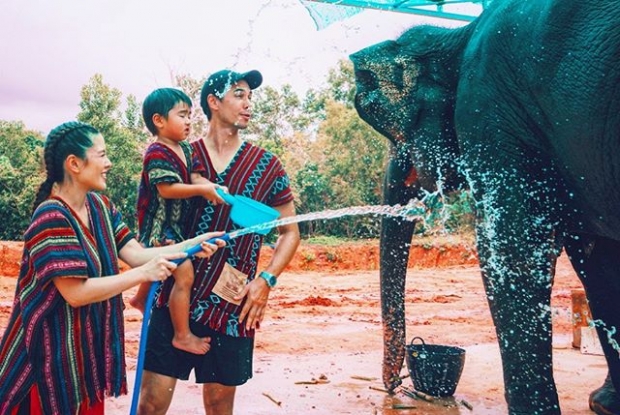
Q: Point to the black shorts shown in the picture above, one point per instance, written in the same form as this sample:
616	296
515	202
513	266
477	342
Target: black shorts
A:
228	361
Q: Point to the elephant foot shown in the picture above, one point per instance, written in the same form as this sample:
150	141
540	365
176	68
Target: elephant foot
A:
605	400
528	398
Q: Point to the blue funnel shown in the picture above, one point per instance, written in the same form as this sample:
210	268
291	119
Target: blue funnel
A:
247	212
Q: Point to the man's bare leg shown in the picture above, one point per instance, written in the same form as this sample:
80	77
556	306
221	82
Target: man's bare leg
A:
218	399
156	393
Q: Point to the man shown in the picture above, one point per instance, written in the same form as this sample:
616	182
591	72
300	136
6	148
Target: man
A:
229	319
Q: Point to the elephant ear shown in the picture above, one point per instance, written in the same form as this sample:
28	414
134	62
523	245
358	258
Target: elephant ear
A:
406	90
386	81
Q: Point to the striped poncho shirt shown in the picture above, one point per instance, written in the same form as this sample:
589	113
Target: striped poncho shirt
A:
72	354
255	173
158	218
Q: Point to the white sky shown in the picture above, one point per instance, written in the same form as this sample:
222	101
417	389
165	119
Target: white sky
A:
50	49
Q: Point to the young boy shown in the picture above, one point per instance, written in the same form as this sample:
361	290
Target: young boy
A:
171	175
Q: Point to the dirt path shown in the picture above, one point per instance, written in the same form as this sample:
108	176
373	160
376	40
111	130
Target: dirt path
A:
324	322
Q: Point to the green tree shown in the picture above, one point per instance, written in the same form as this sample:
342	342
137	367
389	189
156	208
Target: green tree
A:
343	162
192	88
133	115
354	157
100	105
341	81
276	116
21	152
313	195
125	141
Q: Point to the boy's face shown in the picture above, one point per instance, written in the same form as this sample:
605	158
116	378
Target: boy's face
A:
176	126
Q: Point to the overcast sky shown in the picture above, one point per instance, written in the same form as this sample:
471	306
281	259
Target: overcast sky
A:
50	49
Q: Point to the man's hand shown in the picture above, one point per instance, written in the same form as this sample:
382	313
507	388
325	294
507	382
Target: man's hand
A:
257	295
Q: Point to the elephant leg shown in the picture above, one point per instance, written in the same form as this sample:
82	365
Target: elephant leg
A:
394	254
519	294
518	247
597	263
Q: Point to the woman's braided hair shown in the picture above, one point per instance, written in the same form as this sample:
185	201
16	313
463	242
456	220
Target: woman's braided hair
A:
72	137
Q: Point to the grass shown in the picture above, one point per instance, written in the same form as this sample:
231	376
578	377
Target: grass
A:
425	240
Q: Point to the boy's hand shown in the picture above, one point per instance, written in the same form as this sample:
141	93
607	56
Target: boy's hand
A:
210	193
208	189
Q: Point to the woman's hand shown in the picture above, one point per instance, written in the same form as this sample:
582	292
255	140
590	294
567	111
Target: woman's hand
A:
79	291
208	247
161	267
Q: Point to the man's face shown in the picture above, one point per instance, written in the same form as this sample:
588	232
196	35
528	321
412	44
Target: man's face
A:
235	105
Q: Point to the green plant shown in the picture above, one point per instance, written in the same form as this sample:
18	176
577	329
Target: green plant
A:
20	176
332	256
308	256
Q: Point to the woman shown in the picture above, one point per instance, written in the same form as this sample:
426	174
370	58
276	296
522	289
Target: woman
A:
63	349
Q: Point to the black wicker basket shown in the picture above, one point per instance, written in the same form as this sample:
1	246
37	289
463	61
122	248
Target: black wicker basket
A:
435	369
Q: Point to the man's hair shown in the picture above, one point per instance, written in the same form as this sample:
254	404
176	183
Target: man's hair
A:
161	101
220	82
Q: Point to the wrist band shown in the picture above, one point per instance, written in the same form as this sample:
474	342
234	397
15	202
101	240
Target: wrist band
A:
271	279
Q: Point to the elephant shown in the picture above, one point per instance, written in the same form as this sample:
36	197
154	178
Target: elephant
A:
521	107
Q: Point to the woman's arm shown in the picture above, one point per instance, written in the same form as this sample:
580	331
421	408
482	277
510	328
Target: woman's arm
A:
147	265
82	291
136	255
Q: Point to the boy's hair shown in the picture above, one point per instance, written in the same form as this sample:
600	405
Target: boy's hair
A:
161	101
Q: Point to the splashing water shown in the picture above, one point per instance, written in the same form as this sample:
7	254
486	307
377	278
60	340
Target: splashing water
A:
610	332
415	210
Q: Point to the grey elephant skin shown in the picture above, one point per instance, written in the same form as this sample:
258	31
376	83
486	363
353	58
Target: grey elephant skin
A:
521	106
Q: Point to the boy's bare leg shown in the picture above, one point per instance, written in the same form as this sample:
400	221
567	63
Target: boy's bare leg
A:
139	299
183	338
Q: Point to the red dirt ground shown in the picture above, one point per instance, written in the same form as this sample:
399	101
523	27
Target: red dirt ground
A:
324	322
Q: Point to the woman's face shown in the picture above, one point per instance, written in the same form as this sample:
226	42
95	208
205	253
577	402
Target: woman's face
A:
96	166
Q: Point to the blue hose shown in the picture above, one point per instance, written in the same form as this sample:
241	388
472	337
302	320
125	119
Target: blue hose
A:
144	332
143	338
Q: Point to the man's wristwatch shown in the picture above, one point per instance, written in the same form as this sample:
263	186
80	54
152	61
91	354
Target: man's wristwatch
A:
269	278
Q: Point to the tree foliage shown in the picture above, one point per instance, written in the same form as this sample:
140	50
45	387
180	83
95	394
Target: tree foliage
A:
341	81
20	176
276	116
334	159
353	158
125	141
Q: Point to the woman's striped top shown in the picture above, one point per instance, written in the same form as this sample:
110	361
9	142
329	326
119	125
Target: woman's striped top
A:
74	355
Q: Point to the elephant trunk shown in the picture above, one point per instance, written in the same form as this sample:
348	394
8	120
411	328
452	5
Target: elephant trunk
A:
395	241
